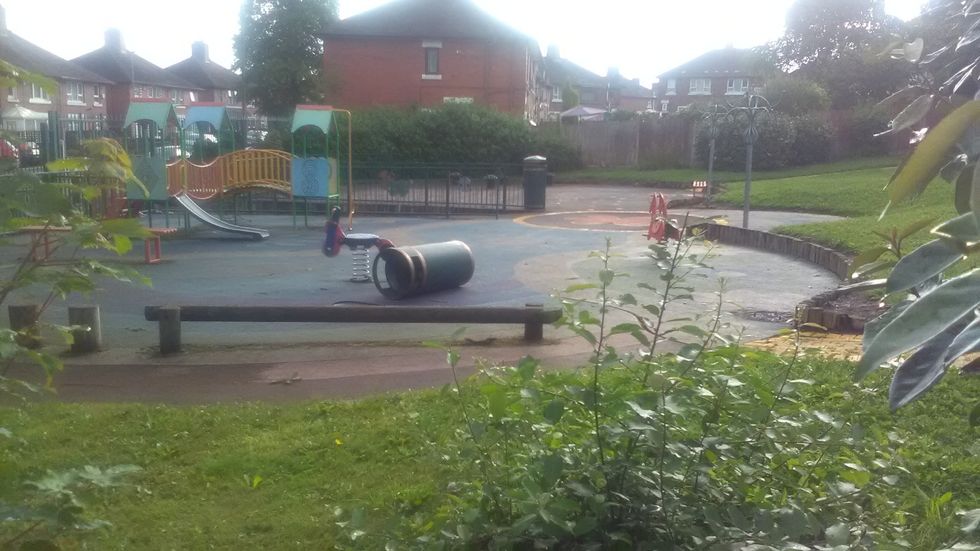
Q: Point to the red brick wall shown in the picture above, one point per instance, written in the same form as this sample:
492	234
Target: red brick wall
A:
379	71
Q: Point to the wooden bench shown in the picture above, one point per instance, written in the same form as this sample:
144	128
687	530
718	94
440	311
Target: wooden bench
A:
151	244
42	242
532	316
699	187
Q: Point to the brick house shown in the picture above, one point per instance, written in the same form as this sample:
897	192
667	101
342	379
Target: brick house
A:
134	78
428	52
714	77
610	92
216	83
80	94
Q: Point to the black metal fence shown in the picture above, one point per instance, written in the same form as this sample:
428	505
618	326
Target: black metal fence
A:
438	189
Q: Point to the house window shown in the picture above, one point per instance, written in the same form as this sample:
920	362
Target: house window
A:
700	87
75	93
737	86
39	95
98	94
683	108
556	94
432	61
12	94
158	92
173	95
137	91
671	86
664	104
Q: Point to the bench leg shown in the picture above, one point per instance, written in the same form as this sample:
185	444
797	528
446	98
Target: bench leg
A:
169	330
534	330
151	249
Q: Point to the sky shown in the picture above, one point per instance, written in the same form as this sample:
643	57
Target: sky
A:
643	38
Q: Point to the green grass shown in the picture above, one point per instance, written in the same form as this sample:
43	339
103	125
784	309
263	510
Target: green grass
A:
383	454
632	175
857	195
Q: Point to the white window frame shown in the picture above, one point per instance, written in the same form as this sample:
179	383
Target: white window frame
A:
98	95
12	94
430	46
75	92
137	91
732	90
671	86
39	95
682	108
664	106
556	94
699	87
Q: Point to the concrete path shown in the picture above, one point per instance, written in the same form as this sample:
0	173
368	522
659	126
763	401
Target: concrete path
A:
517	262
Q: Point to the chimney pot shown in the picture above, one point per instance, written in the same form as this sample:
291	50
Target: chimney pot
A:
113	40
199	51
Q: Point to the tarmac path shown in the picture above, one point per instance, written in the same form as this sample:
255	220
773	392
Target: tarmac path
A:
519	260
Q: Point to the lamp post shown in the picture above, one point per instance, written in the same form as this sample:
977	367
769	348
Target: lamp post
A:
755	106
713	118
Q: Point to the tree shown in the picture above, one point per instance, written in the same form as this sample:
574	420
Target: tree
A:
835	43
935	319
280	53
796	95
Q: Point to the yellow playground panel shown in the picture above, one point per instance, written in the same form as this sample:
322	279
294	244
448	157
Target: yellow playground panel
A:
247	169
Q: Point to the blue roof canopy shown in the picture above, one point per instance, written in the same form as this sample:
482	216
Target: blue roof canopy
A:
215	115
319	116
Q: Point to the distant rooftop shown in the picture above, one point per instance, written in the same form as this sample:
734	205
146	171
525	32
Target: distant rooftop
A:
200	71
722	62
425	19
35	59
114	62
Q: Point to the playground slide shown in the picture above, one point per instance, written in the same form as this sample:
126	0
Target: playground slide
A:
215	222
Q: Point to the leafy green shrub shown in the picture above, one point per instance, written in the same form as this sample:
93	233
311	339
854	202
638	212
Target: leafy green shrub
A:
561	154
450	134
796	96
857	129
812	141
773	150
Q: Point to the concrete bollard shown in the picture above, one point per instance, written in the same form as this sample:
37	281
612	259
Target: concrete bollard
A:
23	319
534	331
87	338
169	330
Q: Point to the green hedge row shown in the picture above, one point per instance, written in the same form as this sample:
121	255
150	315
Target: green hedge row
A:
784	141
450	134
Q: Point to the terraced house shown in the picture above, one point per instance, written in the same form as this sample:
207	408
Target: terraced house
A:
429	52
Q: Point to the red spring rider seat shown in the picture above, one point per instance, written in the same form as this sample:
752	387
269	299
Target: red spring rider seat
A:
359	243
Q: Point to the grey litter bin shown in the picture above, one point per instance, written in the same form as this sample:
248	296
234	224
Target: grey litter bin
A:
409	271
535	182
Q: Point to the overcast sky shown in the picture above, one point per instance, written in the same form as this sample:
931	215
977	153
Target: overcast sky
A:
642	37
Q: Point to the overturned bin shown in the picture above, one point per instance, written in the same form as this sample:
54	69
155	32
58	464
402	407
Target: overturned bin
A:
416	270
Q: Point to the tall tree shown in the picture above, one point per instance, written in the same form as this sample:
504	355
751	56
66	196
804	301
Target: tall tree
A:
280	53
836	43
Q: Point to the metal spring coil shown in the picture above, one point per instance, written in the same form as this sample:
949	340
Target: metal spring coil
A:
361	261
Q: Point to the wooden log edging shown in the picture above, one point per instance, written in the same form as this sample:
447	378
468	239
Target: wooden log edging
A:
833	261
532	316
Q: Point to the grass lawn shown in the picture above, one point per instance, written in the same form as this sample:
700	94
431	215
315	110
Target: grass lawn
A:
856	194
631	175
198	488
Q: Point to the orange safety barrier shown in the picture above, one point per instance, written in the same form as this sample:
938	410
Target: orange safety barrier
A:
658	217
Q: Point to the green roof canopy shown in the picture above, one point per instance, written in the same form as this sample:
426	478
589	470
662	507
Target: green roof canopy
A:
159	113
320	116
215	115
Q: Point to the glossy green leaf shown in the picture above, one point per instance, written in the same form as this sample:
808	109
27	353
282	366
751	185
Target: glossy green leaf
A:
963	194
966	342
554	411
955	168
922	370
865	258
911	115
962	230
922	320
838	535
873	268
921	264
930	155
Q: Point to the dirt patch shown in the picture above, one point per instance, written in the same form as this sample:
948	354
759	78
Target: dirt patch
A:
829	345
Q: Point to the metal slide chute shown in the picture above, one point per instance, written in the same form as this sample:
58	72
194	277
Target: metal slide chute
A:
215	222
